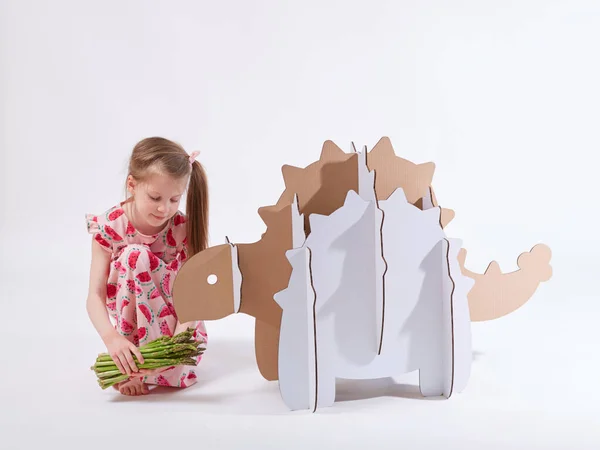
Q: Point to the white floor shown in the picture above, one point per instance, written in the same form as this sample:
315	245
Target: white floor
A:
534	384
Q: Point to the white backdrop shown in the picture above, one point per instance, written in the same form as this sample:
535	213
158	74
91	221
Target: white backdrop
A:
502	95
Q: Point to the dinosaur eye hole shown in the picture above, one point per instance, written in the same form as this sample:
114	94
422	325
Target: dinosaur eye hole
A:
211	279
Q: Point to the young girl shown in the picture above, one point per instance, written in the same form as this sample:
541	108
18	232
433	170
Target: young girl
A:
137	248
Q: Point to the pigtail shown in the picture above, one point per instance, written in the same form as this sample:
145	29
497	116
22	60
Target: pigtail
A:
197	210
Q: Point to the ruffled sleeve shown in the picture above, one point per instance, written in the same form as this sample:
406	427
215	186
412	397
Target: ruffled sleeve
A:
182	252
178	237
108	229
181	236
91	221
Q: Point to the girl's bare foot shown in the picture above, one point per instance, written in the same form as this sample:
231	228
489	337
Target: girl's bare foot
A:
135	386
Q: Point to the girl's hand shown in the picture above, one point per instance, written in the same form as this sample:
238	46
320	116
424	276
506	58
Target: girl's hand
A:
121	350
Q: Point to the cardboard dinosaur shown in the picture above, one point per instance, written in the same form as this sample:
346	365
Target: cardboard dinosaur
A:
248	276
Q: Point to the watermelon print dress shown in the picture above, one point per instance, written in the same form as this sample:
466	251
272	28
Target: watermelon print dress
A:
142	269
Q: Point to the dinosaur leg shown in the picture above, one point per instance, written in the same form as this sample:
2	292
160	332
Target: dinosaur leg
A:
266	343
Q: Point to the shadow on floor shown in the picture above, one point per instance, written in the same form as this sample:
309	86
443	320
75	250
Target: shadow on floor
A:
353	390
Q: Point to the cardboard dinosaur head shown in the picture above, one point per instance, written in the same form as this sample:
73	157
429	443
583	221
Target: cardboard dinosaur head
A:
208	285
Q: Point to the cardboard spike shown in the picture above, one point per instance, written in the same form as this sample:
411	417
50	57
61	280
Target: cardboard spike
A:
398	195
493	269
384	147
427	170
496	294
430	201
291	173
267	212
322	185
446	217
352	199
393	172
435	213
331	151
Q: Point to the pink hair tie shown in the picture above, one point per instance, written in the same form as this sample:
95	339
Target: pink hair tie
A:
193	157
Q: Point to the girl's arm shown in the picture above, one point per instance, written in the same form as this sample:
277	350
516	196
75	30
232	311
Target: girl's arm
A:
96	300
119	348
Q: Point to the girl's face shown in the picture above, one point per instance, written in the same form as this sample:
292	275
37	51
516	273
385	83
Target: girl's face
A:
156	199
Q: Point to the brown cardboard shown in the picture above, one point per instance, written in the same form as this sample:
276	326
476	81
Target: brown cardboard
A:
194	298
447	214
266	348
265	271
392	172
322	186
496	294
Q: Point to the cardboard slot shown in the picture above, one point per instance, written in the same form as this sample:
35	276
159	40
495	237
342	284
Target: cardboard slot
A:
236	278
366	190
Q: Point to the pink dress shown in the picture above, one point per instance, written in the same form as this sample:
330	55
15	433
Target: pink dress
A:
142	270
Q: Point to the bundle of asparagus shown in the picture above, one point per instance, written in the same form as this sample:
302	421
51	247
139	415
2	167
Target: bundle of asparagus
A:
165	351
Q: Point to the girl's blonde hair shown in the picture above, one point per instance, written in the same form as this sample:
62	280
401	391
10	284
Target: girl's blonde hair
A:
160	155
